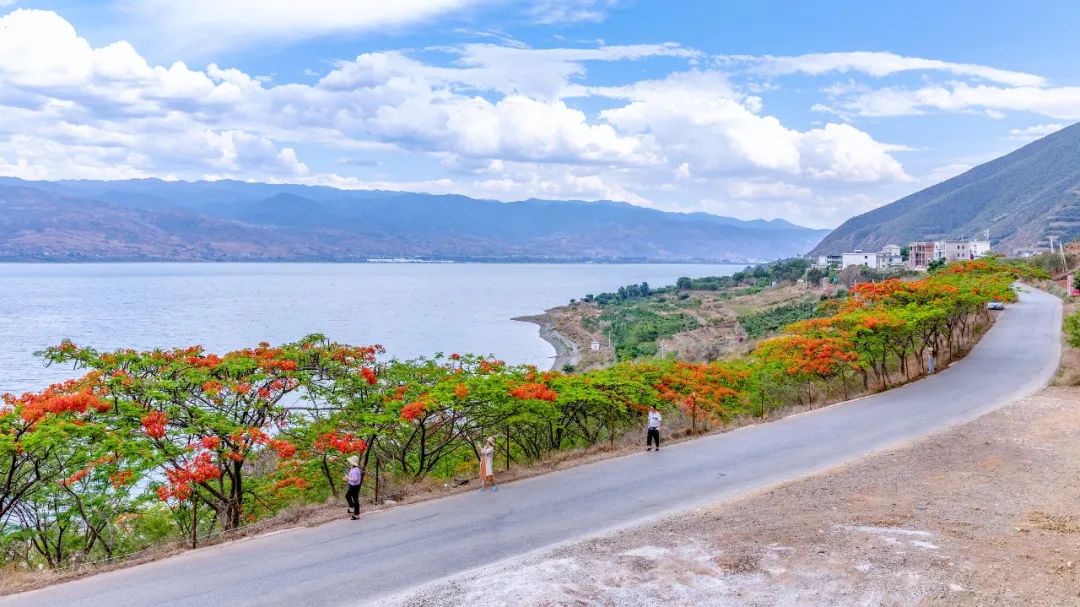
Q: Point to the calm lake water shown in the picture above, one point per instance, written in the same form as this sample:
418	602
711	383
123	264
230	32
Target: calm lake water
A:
411	309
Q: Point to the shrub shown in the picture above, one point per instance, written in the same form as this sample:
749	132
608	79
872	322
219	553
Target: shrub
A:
1072	329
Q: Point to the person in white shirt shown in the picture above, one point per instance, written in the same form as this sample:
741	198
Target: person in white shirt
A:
653	435
352	482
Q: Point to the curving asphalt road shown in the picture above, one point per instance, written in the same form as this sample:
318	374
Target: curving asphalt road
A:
350	562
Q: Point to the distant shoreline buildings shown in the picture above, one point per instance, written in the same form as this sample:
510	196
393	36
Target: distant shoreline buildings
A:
920	254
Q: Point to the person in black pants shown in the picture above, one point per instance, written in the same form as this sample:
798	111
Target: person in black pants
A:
653	434
352	483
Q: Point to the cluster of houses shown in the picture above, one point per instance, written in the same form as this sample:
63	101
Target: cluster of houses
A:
920	255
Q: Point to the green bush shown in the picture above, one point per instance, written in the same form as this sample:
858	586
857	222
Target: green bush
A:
634	330
768	322
1072	329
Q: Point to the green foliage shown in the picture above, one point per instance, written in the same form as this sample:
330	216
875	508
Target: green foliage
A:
814	276
1049	263
1072	329
935	265
789	270
768	322
634	330
625	293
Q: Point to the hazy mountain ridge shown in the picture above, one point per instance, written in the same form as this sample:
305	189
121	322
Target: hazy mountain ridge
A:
1022	198
227	220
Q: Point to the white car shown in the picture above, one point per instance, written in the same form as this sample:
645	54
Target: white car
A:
995	305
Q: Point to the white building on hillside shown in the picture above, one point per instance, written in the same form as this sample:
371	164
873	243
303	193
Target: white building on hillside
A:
824	262
858	258
890	255
952	250
979	248
920	254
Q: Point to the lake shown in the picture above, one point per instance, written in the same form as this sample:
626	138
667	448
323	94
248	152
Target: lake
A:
411	309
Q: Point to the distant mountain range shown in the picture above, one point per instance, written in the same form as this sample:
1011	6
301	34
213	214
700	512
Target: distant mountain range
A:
1021	198
151	220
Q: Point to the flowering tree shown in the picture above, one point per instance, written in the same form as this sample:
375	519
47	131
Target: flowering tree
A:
50	441
705	391
203	416
44	435
809	358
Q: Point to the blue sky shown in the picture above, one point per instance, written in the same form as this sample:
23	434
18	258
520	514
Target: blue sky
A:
810	111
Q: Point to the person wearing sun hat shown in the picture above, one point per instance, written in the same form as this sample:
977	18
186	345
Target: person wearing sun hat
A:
352	482
487	465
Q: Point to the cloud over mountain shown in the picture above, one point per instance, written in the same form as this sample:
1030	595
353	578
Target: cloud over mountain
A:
654	123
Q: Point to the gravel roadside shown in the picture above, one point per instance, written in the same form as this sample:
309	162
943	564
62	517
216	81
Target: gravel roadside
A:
984	513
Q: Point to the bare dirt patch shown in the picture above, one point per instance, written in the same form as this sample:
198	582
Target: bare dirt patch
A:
985	513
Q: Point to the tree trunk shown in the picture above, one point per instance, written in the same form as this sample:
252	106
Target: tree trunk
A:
378	473
194	522
329	477
234	511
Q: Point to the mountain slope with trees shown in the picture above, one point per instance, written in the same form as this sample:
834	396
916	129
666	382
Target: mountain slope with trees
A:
1022	198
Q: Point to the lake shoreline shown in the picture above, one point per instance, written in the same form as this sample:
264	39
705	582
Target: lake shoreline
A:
566	351
414	310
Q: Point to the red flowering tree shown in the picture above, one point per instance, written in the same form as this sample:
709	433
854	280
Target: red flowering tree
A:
202	415
47	436
53	444
599	405
703	391
809	358
445	405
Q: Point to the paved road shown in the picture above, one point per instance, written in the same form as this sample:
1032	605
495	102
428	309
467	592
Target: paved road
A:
349	562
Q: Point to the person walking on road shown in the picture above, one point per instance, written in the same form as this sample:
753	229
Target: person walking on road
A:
352	482
487	465
653	434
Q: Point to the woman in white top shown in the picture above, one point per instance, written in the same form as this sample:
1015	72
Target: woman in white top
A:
487	465
352	486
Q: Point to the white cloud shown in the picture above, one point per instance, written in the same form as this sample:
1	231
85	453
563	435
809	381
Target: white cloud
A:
759	190
879	64
570	11
501	122
215	24
1055	102
506	181
696	118
1032	133
515	127
813	211
544	73
842	152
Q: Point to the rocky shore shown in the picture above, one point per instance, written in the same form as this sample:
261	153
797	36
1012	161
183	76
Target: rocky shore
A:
566	351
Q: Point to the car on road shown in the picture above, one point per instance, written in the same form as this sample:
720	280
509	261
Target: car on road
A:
995	305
